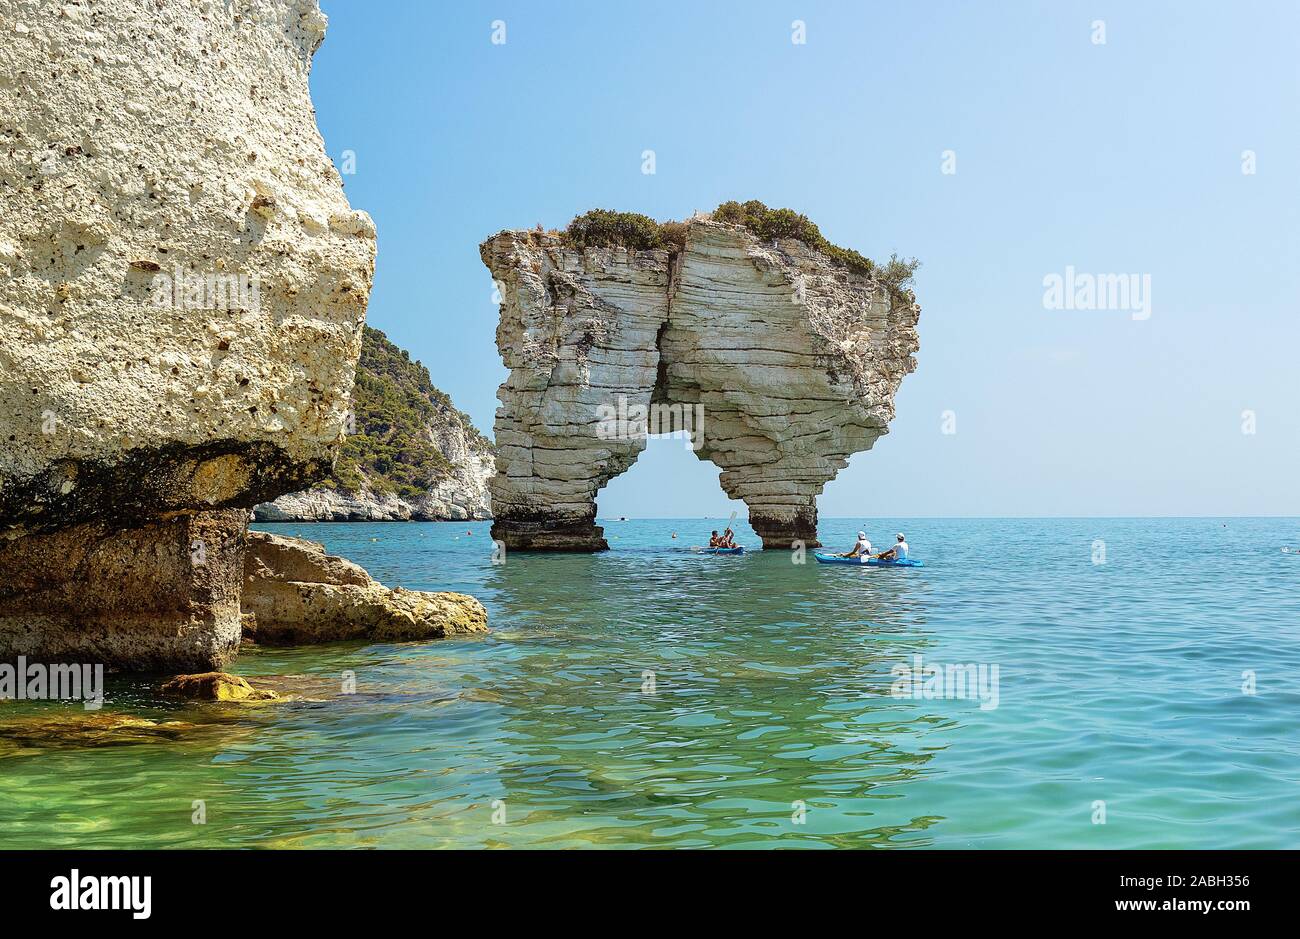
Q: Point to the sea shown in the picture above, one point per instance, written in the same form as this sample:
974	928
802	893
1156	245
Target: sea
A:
1038	683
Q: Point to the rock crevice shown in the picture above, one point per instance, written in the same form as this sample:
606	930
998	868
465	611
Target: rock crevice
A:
787	361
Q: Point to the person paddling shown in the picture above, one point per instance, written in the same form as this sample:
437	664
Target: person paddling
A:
728	539
897	553
861	548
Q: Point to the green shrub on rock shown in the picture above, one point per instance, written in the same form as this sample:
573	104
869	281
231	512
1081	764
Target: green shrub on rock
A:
771	224
603	228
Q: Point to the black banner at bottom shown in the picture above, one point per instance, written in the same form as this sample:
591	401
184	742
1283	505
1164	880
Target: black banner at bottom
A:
138	889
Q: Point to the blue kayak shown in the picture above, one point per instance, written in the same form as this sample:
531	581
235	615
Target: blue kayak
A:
722	550
866	562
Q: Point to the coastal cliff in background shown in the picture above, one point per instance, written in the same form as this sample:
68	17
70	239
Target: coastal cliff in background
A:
409	454
789	348
182	294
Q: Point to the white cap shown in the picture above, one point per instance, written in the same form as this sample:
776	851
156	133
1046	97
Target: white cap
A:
900	537
862	534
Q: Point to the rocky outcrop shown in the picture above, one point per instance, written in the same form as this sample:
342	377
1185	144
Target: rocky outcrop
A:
299	594
787	361
216	686
575	334
410	454
462	497
182	288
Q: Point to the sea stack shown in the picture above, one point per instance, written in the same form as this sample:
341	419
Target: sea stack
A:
789	359
182	291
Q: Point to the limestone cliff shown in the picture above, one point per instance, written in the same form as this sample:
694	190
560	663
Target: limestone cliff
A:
409	454
790	358
182	289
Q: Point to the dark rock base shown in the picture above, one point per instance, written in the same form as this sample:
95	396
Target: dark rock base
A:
786	531
538	533
159	597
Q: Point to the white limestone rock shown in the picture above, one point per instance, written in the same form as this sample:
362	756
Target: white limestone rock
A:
794	359
139	142
182	290
577	329
462	496
395	400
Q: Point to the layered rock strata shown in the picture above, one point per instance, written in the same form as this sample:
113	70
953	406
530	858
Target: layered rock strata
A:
577	330
182	289
158	596
787	362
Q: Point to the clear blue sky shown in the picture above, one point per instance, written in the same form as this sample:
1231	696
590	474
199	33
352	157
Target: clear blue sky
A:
1117	158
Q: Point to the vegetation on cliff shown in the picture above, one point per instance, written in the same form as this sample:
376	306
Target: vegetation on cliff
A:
601	228
390	447
605	228
770	224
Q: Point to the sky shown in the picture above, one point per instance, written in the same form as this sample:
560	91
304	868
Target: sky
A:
1169	151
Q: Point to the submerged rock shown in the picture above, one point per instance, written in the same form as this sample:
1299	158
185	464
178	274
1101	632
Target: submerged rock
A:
782	361
91	729
216	686
299	594
182	289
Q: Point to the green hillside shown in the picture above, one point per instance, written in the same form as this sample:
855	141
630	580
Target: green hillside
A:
395	406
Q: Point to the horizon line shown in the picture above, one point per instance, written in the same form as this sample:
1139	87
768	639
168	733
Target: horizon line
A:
948	517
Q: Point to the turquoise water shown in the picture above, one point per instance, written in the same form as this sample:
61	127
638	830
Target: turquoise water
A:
770	721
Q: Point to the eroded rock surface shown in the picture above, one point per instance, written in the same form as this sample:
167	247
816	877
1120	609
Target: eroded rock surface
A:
462	497
216	686
159	596
299	594
794	361
182	289
577	330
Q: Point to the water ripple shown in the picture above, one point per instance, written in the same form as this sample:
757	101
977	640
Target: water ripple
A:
652	697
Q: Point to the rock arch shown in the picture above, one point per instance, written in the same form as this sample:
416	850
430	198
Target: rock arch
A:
792	360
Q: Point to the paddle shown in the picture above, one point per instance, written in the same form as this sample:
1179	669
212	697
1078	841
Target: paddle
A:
731	521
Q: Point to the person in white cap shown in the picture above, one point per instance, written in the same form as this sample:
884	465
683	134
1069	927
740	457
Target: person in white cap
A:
897	553
861	549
